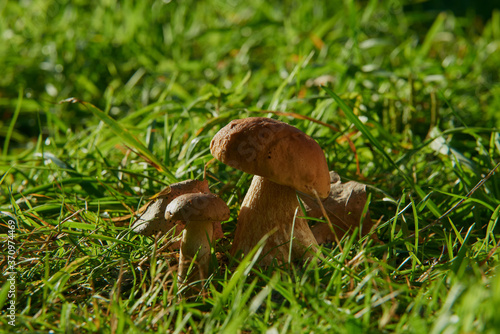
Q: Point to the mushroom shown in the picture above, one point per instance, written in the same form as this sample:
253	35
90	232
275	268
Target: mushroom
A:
152	219
344	208
197	211
283	159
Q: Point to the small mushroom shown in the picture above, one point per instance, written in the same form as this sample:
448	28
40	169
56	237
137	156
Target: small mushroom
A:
197	211
152	219
283	159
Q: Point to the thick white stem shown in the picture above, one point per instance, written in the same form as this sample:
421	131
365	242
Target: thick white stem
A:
196	239
269	209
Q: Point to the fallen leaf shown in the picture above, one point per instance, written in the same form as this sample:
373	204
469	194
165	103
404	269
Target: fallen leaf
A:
344	208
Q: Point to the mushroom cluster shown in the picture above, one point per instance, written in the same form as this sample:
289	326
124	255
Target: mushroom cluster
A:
186	207
285	163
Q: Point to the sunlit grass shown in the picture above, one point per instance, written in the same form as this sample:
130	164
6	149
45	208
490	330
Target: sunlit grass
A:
105	105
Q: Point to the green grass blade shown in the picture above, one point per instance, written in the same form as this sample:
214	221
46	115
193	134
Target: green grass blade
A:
12	123
431	34
366	132
273	105
4	292
127	138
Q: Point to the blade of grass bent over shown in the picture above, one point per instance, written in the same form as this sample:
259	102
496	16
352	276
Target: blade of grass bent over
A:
126	136
366	132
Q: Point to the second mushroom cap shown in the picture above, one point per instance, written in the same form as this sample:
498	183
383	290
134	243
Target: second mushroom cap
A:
197	207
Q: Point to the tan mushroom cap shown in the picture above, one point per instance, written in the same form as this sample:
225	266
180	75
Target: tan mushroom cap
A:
152	219
274	150
197	207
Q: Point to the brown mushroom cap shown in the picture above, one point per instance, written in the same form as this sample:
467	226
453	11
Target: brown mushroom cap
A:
274	150
152	220
197	207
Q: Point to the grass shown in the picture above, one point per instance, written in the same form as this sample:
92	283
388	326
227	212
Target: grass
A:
144	86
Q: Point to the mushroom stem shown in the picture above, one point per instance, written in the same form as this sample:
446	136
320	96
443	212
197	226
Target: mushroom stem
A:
195	239
269	208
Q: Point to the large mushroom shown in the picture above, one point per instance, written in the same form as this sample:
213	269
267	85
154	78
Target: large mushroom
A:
283	159
152	219
198	211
